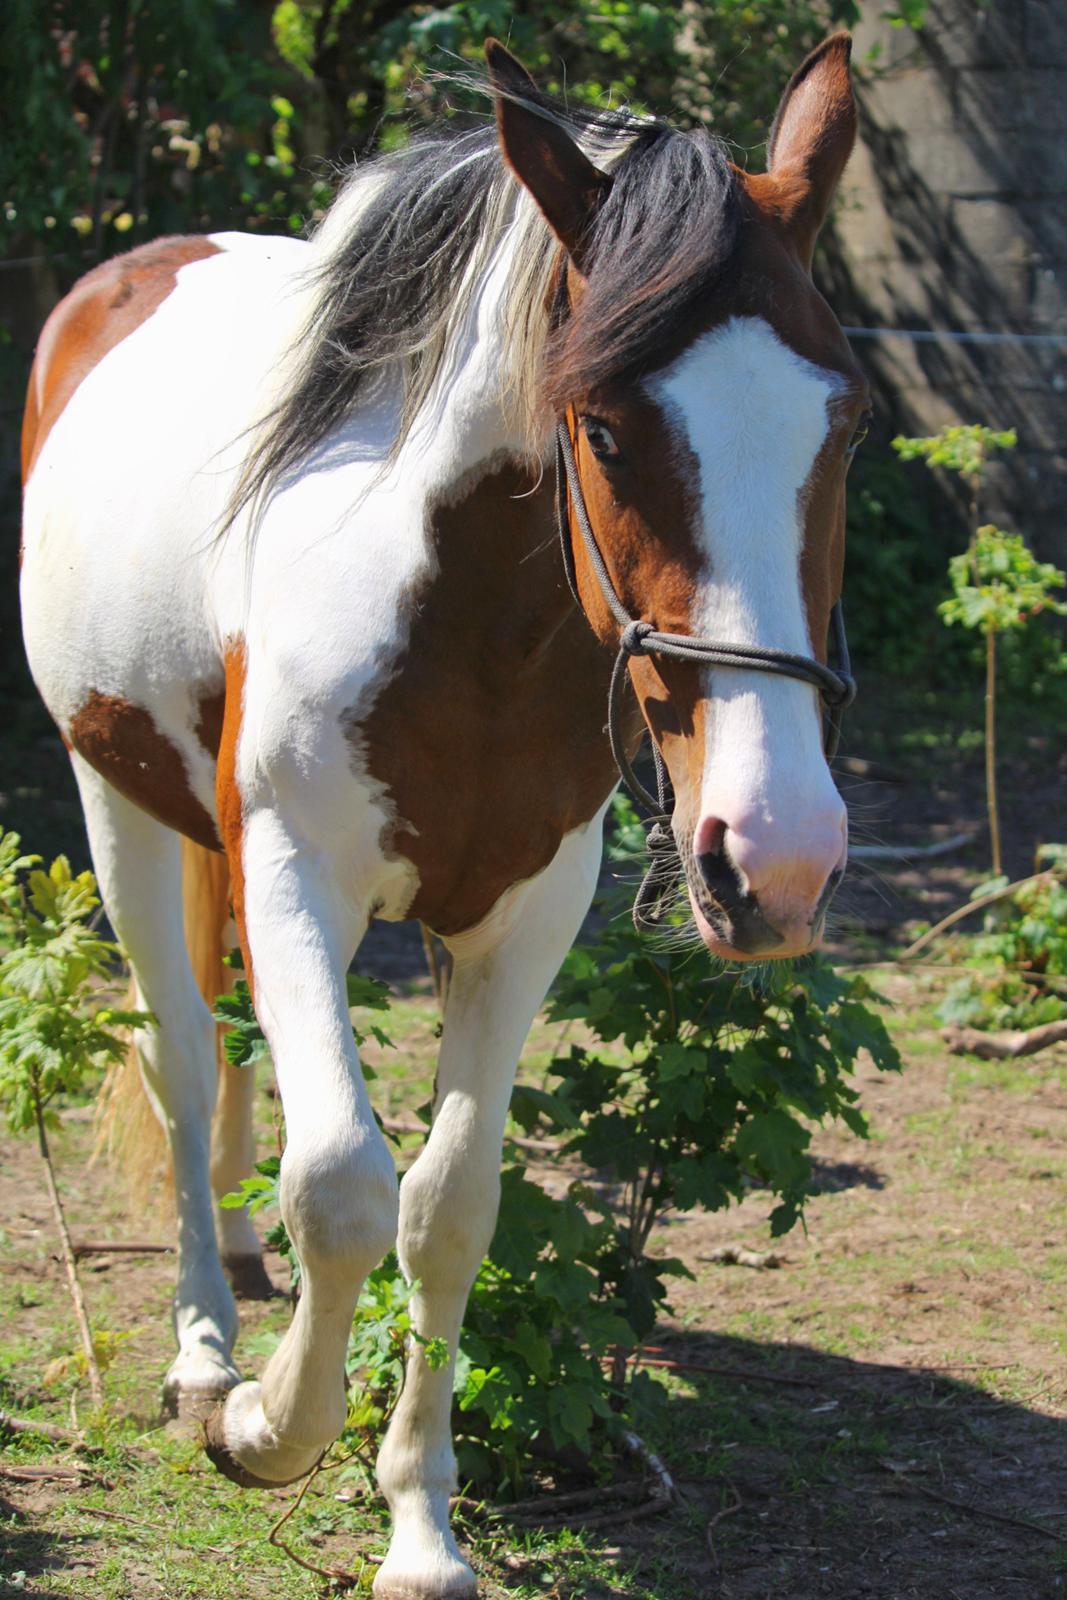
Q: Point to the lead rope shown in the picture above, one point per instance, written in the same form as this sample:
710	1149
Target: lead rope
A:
837	687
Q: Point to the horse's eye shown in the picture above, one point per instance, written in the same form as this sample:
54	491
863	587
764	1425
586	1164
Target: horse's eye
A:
862	430
601	439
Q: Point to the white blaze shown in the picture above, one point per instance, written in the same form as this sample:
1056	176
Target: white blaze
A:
755	416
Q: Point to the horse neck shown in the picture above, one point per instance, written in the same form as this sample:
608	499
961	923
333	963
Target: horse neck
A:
468	418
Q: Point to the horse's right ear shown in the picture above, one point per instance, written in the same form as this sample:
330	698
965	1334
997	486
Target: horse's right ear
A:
567	187
813	134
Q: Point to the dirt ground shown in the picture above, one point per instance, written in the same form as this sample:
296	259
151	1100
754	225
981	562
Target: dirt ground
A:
883	1414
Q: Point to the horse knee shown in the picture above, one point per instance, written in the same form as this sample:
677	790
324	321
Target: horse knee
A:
340	1206
447	1217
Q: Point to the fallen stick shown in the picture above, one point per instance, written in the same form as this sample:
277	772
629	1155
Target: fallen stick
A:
906	853
902	1476
1003	1046
965	911
713	1523
657	1359
46	1430
114	1247
41	1474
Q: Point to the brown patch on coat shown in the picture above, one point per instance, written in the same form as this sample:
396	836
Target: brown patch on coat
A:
121	742
490	737
102	309
211	709
227	794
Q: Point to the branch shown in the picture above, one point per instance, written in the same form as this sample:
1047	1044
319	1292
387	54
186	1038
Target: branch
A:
1003	1046
972	905
96	1387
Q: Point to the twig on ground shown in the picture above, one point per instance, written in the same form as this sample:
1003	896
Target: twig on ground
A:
650	1355
555	1503
46	1430
568	1510
347	1580
965	911
1003	1046
902	1475
41	1474
413	1125
713	1523
110	1247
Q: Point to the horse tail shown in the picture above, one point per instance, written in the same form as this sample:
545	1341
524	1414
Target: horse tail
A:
129	1132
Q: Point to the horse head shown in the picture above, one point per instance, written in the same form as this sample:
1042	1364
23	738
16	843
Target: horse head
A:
713	407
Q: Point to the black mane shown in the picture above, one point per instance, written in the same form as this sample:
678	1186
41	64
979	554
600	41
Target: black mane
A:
426	218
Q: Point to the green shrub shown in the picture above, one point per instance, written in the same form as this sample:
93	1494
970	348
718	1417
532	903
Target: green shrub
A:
1019	976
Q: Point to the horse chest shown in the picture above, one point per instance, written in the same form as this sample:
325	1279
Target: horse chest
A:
490	734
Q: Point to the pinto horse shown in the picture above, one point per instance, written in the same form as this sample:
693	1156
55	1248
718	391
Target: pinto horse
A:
292	594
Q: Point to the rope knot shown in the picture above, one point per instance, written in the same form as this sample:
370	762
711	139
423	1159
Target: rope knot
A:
632	637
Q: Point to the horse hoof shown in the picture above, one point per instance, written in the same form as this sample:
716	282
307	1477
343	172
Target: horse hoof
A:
223	1460
248	1277
192	1396
241	1443
439	1579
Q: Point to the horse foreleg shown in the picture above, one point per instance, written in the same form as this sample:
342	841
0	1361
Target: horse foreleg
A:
338	1182
449	1197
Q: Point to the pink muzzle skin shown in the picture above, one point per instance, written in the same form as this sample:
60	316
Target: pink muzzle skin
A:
758	888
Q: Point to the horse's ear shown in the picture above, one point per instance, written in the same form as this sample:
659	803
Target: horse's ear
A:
812	136
542	155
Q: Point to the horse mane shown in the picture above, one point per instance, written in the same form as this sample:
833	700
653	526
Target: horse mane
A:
401	255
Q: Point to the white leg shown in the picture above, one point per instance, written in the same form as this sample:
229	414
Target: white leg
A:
339	1191
449	1198
138	866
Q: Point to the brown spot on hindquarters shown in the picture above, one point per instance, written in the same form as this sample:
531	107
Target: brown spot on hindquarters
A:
102	309
121	742
228	795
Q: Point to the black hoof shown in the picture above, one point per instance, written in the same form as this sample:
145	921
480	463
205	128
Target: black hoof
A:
248	1278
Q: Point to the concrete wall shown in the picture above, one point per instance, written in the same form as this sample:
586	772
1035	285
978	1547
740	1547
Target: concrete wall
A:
954	216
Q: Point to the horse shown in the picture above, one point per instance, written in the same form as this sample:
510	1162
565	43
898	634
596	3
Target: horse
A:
291	594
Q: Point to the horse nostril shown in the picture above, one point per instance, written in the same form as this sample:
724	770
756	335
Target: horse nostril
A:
718	871
709	837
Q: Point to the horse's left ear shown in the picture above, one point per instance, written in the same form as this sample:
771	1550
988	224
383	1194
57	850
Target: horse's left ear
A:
567	187
812	136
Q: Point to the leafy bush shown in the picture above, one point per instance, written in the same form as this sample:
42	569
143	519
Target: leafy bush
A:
56	1027
1019	976
56	975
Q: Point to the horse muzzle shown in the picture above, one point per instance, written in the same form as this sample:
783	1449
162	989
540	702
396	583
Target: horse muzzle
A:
755	898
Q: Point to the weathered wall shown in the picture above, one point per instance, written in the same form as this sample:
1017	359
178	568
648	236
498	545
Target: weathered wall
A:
954	217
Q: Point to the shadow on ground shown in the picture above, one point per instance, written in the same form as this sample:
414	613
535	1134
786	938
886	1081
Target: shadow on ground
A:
804	1475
